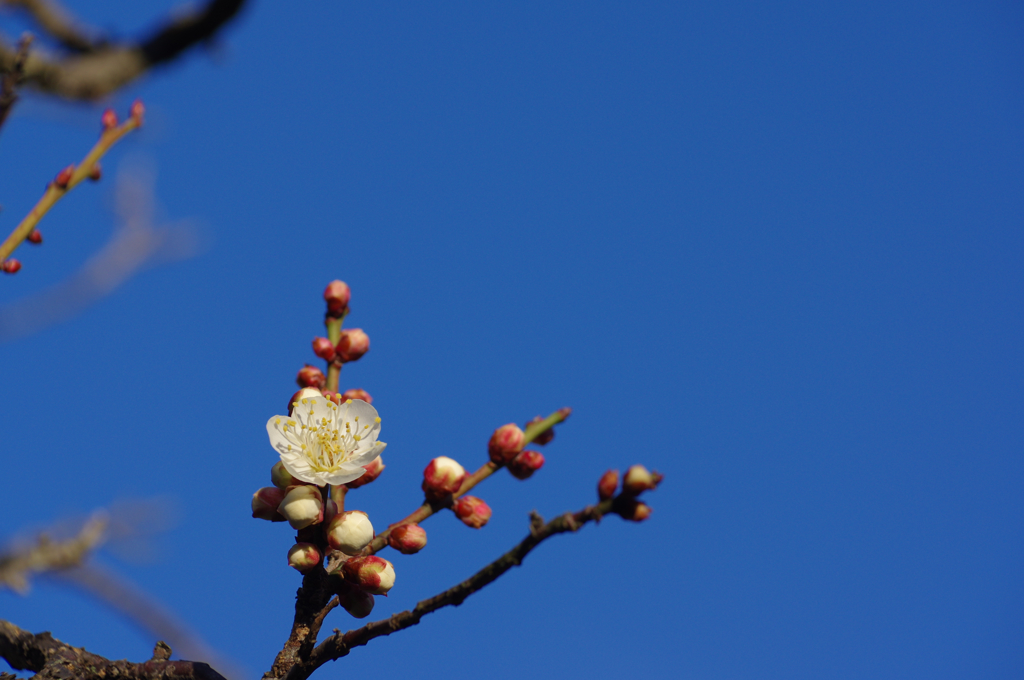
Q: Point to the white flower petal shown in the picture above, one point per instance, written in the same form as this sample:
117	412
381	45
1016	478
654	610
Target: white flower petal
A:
366	457
345	474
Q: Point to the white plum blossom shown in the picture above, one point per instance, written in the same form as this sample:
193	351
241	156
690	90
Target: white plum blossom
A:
324	443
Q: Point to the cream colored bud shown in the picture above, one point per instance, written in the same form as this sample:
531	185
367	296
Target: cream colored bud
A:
304	556
350	532
302	506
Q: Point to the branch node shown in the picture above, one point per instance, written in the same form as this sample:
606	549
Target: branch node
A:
162	651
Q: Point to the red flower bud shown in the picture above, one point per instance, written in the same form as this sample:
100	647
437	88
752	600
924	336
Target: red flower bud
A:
472	511
373	471
337	295
11	266
304	557
506	442
544	437
34	237
441	477
638	480
353	344
371	573
304	393
408	538
108	120
64	176
311	376
634	510
356	602
265	503
323	348
608	484
137	111
525	464
357	394
96	173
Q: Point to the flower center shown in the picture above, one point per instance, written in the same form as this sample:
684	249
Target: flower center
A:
328	443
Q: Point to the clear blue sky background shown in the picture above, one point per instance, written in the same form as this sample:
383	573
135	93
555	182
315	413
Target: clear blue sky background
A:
771	250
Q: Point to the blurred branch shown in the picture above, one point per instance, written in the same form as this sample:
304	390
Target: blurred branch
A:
51	658
45	554
12	78
58	22
135	244
95	69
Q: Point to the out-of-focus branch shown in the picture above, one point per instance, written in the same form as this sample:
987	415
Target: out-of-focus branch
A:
58	22
51	658
429	508
12	78
18	565
107	67
340	644
136	243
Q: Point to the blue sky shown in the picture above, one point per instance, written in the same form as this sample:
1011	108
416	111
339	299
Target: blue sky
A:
771	250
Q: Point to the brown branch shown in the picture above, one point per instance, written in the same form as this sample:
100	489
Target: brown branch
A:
51	658
341	644
429	508
18	565
12	78
108	67
58	22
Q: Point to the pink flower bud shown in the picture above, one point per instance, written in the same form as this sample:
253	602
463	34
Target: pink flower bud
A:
373	471
96	174
34	237
356	602
633	510
137	111
11	266
337	295
304	393
357	394
544	437
506	442
311	376
302	506
525	464
265	503
304	557
638	480
408	538
64	176
608	484
472	511
108	120
323	348
441	477
371	573
353	344
350	532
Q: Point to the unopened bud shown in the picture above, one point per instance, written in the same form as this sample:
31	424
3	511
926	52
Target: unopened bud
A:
96	174
544	437
356	602
506	442
337	295
373	471
407	538
353	344
350	532
441	477
108	120
330	510
634	510
137	111
281	478
357	394
64	176
311	376
608	484
302	506
265	503
371	573
34	237
304	557
11	266
323	348
472	511
638	480
304	393
525	464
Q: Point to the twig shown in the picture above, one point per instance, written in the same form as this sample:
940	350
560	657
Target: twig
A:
12	78
51	658
341	644
57	189
533	430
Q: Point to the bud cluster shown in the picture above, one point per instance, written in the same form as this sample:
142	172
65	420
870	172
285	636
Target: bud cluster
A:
637	480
